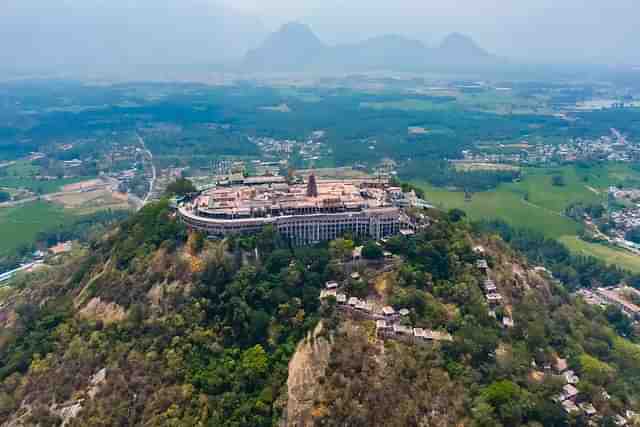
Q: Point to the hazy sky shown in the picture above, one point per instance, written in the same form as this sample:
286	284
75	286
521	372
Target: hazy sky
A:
114	33
559	30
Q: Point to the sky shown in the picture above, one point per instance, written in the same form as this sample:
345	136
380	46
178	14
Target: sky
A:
534	30
57	34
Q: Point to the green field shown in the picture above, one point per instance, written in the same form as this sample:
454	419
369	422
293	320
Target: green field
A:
506	205
21	168
41	187
608	254
409	105
546	203
542	192
20	225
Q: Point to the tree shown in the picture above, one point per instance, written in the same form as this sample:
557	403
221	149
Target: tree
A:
255	362
456	215
594	370
195	243
510	401
181	187
372	251
341	249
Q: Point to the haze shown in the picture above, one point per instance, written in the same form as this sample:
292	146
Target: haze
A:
100	34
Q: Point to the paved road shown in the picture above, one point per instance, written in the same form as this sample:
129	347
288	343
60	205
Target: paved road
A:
152	183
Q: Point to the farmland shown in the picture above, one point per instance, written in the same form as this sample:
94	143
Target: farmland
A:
537	204
608	254
20	225
506	205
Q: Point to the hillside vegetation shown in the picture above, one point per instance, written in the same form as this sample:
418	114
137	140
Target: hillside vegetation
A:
157	326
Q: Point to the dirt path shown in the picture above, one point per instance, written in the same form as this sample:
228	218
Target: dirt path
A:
593	190
540	207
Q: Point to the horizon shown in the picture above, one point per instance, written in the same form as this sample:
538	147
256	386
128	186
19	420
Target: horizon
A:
85	37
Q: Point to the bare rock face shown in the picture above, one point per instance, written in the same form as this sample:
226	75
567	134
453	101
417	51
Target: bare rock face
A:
307	366
109	312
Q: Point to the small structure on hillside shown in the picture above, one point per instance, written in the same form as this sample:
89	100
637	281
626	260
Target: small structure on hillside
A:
331	285
490	286
494	299
507	322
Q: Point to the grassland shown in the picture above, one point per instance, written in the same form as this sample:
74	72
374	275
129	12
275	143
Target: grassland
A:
36	186
506	205
537	184
409	105
543	211
20	225
608	254
21	168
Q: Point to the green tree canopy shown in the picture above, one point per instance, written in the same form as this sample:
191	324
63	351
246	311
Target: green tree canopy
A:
372	251
181	187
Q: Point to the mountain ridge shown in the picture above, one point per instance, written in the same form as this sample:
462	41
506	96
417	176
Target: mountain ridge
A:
295	47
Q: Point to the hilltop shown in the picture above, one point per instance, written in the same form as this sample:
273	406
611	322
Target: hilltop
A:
294	47
154	325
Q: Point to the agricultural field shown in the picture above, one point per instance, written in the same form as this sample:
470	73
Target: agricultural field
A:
37	186
608	254
506	205
481	166
545	204
92	201
20	225
409	105
20	168
537	183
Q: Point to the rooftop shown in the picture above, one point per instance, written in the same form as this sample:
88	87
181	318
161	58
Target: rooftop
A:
252	200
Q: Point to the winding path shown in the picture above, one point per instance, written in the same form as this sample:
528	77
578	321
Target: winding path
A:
153	170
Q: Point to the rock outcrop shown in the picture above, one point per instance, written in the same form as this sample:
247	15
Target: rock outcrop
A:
306	368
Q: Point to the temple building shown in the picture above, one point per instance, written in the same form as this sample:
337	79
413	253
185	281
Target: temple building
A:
304	213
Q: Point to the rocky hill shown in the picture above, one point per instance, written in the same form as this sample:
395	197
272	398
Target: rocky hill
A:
152	325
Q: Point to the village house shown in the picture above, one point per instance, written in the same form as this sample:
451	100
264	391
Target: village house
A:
569	392
331	285
482	265
507	322
571	377
494	298
326	293
588	409
490	286
570	407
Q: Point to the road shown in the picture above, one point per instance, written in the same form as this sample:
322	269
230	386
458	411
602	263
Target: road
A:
152	183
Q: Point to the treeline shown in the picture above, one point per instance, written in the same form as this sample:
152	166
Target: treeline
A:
574	271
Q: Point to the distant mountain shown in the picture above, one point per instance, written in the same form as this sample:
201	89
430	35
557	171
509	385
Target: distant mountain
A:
289	48
460	49
295	47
